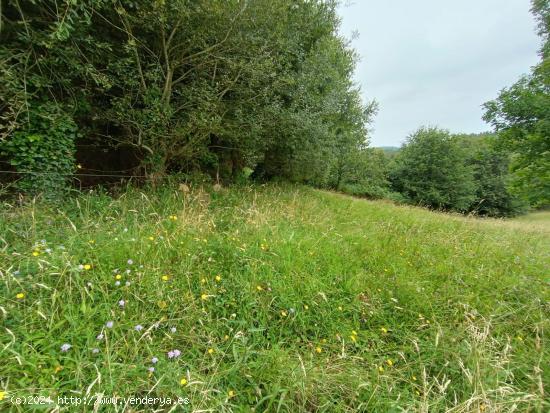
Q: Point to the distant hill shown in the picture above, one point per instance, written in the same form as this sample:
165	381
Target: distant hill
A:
389	149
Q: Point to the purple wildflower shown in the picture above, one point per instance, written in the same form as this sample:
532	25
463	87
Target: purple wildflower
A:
100	336
95	350
109	324
173	329
121	303
117	283
174	354
151	369
65	347
139	327
154	360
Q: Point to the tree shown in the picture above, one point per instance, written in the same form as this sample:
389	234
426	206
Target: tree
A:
521	117
431	170
490	163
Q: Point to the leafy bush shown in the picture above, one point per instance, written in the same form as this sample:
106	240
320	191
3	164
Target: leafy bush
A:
42	150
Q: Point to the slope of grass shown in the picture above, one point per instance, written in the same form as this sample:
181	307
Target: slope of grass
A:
277	299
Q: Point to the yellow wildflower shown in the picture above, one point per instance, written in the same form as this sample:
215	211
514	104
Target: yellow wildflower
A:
381	369
183	381
203	280
230	394
35	253
218	278
87	267
20	296
204	296
226	337
283	313
210	351
259	288
384	330
151	238
306	307
340	308
165	277
118	276
318	349
389	362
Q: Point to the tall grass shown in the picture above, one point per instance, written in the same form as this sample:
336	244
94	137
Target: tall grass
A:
278	298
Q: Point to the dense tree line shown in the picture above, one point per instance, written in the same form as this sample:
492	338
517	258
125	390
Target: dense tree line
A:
438	170
182	85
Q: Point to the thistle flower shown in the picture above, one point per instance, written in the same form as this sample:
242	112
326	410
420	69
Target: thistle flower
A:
65	347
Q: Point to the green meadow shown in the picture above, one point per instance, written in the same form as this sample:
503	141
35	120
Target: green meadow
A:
272	298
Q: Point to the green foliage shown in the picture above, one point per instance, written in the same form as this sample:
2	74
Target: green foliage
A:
410	309
431	170
363	173
211	86
521	116
42	150
491	174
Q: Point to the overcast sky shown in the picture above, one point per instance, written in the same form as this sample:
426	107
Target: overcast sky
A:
434	62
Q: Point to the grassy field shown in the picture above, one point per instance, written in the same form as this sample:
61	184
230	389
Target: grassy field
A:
276	299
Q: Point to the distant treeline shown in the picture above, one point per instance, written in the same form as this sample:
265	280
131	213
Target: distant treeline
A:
439	170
